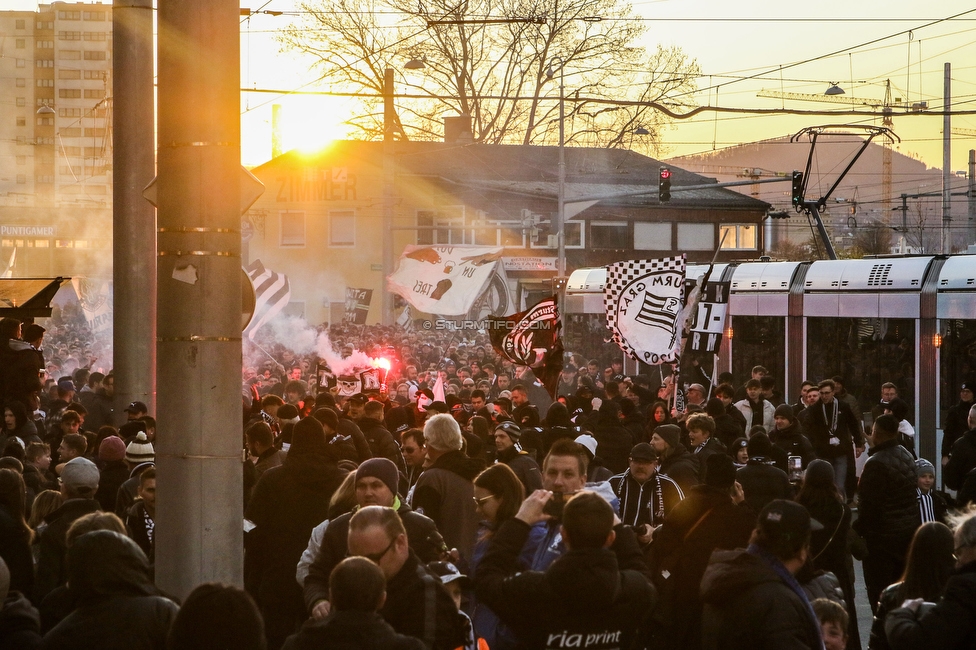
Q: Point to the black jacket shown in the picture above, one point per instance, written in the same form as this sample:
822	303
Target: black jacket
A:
792	441
962	459
890	600
682	466
351	630
586	595
727	428
888	512
526	469
119	607
613	443
956	424
950	625
444	492
409	594
20	624
51	567
15	549
762	483
422	535
817	429
381	442
111	476
747	606
711	446
640	503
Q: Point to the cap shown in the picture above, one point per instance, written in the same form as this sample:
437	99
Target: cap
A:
359	398
569	368
511	429
589	442
448	573
969	385
136	407
643	451
140	450
65	383
786	520
80	475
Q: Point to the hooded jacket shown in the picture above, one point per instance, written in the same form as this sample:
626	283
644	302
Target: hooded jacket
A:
20	624
444	492
645	503
586	598
381	442
682	466
52	569
119	607
614	442
747	606
956	424
792	441
762	482
526	469
351	630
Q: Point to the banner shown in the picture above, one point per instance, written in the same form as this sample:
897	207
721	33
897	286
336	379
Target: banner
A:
357	305
96	302
706	330
531	338
272	292
444	280
643	299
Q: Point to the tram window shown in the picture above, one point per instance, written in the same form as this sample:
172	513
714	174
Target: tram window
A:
957	360
587	334
760	341
866	352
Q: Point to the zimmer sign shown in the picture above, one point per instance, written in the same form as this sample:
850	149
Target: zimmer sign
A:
28	231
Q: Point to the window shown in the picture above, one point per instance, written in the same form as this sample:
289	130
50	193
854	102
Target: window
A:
21	82
70	55
609	234
94	15
21	179
69	93
44	178
94	56
95	74
448	223
44	63
95	36
96	132
546	237
45	83
21	63
69	112
292	228
21	121
740	236
72	132
44	45
70	15
69	36
342	228
21	101
652	236
45	121
20	24
94	93
696	237
20	43
69	74
45	25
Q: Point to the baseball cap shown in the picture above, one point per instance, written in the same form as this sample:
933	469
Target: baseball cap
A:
80	475
449	573
969	385
136	407
359	398
643	451
786	520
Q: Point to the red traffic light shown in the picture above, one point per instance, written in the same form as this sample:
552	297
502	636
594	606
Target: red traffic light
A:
665	173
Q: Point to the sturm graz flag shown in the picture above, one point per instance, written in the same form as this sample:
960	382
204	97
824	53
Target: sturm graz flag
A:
531	338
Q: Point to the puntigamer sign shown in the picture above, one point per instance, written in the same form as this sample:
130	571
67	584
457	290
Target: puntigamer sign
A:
28	231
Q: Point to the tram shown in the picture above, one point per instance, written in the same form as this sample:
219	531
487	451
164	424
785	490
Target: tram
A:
907	320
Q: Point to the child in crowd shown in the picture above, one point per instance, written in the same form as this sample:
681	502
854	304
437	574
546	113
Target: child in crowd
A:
833	623
931	504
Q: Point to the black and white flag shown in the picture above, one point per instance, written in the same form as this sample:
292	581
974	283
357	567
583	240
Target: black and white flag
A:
643	299
531	338
708	324
271	293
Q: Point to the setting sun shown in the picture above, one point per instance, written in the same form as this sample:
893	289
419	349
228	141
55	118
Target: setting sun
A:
309	124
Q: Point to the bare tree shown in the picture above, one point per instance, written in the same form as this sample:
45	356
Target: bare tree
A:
871	239
489	59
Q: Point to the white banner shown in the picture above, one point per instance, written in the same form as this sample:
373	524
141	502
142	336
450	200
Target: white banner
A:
443	280
643	299
95	298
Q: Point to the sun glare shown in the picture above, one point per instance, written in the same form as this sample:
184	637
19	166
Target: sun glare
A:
311	126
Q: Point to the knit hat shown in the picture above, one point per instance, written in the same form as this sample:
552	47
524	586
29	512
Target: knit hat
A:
140	450
511	429
307	436
381	468
80	475
719	471
589	442
785	411
327	417
111	448
287	413
131	429
760	446
670	433
923	466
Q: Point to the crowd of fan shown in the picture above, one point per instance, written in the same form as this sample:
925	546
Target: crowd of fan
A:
460	506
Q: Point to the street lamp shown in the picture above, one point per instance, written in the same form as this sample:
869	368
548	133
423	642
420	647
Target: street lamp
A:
561	201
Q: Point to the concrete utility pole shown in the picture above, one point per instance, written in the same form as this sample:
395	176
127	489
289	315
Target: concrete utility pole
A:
946	163
389	178
971	199
134	220
199	535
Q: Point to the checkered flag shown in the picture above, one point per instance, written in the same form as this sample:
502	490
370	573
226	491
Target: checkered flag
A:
643	299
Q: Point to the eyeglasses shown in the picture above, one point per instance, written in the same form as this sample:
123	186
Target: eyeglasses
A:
482	500
376	557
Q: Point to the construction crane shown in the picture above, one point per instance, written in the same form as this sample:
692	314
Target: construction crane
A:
887	107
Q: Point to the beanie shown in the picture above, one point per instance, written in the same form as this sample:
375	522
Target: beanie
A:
760	446
327	417
111	448
923	466
511	429
287	412
381	468
719	471
785	411
131	429
307	436
140	450
670	433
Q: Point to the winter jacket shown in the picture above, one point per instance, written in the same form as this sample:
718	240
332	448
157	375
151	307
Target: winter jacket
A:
381	442
287	503
20	365
950	625
20	624
141	530
591	595
613	443
767	417
422	535
111	476
792	441
409	594
727	429
961	461
704	521
129	491
526	469
762	483
748	606
15	549
119	607
445	493
711	446
682	466
956	424
888	499
351	630
891	599
51	567
641	503
849	431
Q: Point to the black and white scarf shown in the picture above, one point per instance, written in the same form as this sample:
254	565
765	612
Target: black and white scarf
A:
926	506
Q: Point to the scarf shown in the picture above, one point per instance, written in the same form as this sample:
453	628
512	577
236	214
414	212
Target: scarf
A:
926	506
757	412
773	563
832	421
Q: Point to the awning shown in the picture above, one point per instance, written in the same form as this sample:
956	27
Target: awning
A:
27	298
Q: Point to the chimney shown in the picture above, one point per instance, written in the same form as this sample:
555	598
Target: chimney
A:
457	129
